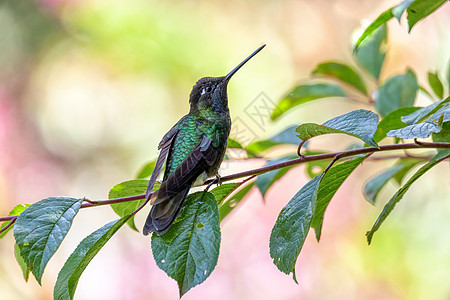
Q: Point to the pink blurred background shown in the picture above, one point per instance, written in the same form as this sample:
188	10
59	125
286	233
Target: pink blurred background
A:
87	89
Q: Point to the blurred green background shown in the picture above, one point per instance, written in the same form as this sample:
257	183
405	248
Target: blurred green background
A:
88	88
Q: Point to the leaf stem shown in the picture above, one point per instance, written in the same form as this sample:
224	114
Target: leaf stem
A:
300	148
91	203
142	205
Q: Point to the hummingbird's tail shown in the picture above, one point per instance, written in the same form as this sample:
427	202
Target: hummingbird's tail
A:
167	201
164	212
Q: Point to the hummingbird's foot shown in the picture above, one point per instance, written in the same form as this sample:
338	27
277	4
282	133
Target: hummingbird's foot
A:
217	180
209	185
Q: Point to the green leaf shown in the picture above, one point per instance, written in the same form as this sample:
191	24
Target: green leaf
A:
383	18
423	112
77	262
370	53
424	129
17	210
305	93
292	227
396	172
126	189
315	167
425	91
22	264
401	192
40	229
358	123
230	203
188	252
408	164
421	9
440	115
443	135
342	72
354	146
146	170
265	180
436	84
415	131
398	91
223	191
398	10
328	186
376	183
233	144
392	121
287	136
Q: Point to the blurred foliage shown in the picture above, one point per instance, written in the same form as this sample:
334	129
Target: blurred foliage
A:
135	38
25	30
153	41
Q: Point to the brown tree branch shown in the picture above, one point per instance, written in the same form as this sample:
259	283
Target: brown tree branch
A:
91	203
342	154
259	171
7	218
9	225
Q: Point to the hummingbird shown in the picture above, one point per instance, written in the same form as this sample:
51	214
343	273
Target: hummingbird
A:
192	149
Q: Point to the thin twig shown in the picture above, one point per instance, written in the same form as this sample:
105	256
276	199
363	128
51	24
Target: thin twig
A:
296	161
238	186
418	142
7	218
9	225
91	203
142	205
443	158
335	159
346	153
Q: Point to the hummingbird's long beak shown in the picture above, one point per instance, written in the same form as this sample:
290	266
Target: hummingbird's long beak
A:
242	63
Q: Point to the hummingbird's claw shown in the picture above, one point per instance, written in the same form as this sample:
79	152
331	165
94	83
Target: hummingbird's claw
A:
217	180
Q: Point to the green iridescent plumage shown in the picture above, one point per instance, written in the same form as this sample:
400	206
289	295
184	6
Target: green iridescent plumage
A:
192	129
194	148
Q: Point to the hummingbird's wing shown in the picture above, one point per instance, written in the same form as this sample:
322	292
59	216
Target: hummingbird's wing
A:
199	161
164	146
174	189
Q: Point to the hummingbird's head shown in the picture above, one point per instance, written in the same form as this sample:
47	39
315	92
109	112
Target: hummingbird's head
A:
211	92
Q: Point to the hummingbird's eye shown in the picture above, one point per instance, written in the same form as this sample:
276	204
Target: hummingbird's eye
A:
206	89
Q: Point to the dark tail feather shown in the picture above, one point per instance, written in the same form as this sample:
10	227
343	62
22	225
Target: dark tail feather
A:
163	213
